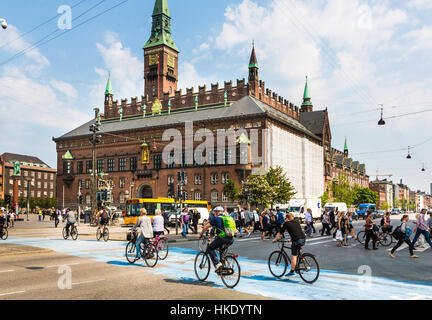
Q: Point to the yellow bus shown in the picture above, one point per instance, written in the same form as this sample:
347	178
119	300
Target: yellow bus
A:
133	207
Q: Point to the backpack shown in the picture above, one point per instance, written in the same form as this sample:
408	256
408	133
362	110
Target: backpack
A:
186	218
397	233
229	226
382	222
280	217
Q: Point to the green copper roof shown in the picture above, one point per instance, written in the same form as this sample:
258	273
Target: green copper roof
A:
253	63
161	27
243	139
346	145
306	95
109	89
68	156
161	6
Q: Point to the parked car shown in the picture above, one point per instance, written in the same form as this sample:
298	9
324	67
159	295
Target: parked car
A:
379	214
395	211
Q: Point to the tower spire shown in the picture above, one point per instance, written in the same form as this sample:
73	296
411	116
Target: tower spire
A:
253	69
108	89
346	151
307	104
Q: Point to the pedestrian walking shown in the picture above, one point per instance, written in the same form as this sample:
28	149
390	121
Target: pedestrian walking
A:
195	219
325	221
184	219
350	226
402	233
273	226
422	229
308	221
369	230
342	229
166	220
332	216
264	224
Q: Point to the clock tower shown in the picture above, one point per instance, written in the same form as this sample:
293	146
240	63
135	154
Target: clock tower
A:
160	55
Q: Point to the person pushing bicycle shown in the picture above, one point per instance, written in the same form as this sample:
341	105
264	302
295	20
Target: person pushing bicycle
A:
298	239
223	236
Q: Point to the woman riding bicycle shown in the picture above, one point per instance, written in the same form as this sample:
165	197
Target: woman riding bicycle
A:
146	231
298	239
158	223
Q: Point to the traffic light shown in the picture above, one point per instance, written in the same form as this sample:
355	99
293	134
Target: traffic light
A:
8	199
108	195
80	199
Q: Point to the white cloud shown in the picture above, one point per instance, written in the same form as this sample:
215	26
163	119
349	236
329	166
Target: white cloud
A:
189	77
126	70
422	38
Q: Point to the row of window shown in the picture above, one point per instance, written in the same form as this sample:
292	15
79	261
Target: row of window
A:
38	194
100	165
86	184
214	178
33	174
39	184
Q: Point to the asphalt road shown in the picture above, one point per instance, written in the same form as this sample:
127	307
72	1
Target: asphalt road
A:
99	271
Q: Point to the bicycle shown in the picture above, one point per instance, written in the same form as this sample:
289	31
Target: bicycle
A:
204	241
383	237
230	273
73	233
102	233
149	251
307	265
5	233
161	245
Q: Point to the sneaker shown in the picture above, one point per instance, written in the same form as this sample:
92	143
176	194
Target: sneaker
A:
290	274
218	268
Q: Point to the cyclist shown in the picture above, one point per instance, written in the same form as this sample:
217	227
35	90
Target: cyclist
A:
71	220
220	239
158	223
298	239
146	231
2	221
104	218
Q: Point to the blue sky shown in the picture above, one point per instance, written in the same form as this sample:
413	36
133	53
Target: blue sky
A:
358	54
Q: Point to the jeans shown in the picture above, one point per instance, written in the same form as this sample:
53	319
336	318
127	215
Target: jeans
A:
426	235
185	227
407	241
216	244
325	228
370	235
68	225
140	240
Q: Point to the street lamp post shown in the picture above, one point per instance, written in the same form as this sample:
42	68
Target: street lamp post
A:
94	140
3	23
29	180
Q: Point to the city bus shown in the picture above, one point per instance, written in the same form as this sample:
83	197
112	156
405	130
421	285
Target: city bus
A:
133	207
363	209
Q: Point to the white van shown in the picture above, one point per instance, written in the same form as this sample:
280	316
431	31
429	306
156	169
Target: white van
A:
298	208
337	206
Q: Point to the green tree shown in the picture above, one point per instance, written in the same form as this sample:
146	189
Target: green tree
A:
231	191
260	190
385	206
283	190
342	192
324	199
364	195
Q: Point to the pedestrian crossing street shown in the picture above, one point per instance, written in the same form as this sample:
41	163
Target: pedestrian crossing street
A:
256	278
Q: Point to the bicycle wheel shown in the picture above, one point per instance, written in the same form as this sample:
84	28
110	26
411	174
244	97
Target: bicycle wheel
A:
106	234
278	264
203	244
130	252
98	234
361	237
232	279
308	268
4	235
162	248
64	234
74	233
150	255
202	266
386	240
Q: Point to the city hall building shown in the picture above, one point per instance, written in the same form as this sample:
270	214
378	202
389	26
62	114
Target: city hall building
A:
136	133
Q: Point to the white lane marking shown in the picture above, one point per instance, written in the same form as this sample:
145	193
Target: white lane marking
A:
65	264
3	271
315	243
84	282
9	293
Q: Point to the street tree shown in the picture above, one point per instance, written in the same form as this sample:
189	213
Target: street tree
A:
342	192
260	190
364	195
385	206
282	187
231	191
325	198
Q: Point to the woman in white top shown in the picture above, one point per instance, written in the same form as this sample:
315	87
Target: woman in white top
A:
145	226
158	223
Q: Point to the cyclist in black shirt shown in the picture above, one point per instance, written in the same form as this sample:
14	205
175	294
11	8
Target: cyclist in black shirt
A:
298	239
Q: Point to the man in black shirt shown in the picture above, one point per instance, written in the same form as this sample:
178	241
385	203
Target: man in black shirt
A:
298	239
